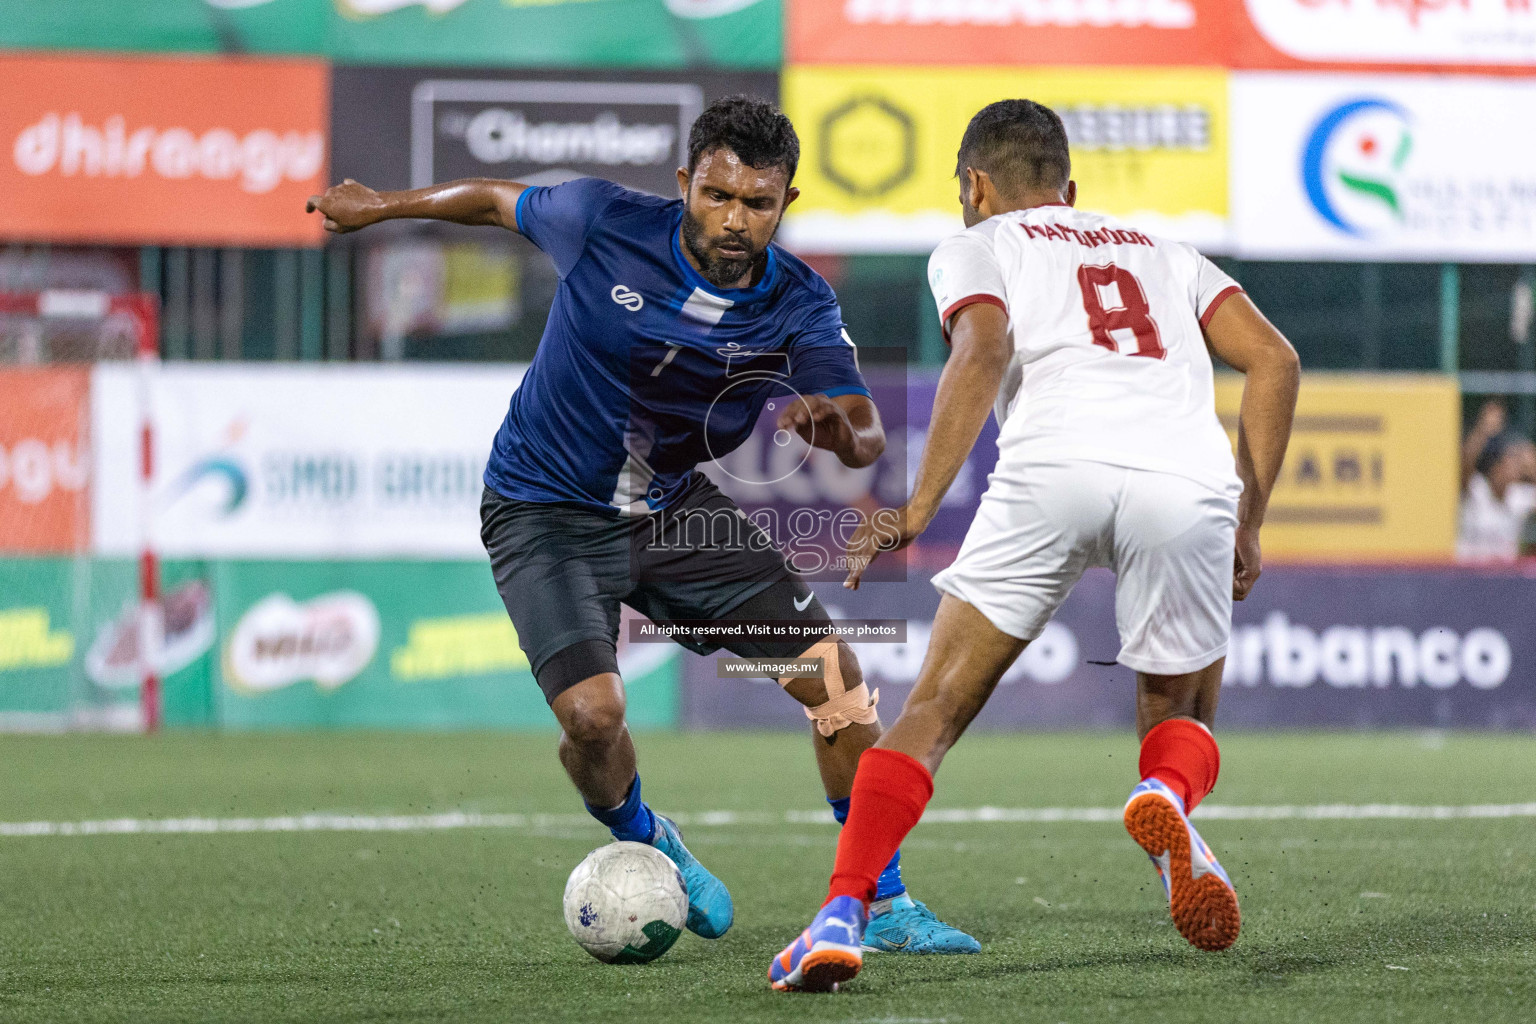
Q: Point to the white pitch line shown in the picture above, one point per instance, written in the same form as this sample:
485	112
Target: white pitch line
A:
707	819
1362	812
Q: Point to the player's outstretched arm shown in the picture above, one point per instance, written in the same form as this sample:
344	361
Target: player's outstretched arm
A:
967	390
476	201
1243	339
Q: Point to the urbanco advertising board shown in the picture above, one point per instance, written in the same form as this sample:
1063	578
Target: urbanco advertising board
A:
1311	647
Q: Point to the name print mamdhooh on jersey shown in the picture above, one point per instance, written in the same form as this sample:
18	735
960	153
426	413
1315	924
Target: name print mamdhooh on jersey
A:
1102	236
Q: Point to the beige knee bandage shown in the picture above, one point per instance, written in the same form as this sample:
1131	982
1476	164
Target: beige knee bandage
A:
844	707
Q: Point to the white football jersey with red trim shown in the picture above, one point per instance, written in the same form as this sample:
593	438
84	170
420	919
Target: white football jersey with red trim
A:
1109	359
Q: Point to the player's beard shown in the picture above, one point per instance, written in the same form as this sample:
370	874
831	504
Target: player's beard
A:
718	270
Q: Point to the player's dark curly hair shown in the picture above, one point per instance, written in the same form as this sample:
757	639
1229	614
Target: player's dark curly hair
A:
1020	144
755	130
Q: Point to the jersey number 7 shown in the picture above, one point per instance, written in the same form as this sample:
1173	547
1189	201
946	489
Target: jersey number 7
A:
1133	314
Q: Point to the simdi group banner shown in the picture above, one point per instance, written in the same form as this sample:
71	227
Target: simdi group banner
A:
298	462
294	461
409	127
161	150
1319	647
624	33
1493	35
877	168
1383	167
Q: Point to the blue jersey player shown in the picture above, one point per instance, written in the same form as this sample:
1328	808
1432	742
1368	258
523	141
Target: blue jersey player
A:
676	322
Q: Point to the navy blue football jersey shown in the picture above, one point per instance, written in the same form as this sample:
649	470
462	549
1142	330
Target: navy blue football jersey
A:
645	369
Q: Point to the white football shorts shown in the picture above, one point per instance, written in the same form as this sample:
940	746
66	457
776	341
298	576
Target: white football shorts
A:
1168	539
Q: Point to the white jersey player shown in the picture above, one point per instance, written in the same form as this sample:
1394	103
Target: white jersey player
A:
1108	431
1092	340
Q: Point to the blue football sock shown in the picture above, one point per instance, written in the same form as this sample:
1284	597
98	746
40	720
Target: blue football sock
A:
889	884
631	821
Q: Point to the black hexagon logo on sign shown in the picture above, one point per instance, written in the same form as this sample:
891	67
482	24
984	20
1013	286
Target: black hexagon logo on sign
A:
868	146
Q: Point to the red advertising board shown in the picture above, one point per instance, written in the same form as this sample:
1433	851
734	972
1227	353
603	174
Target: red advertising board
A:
44	462
1006	31
1491	36
174	151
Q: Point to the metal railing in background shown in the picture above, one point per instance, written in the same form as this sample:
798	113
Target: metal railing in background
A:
282	304
1474	322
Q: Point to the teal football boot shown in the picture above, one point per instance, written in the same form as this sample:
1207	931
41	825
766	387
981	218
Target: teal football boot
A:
709	902
903	925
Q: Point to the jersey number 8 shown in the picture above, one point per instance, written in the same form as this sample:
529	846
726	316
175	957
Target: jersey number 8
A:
1133	314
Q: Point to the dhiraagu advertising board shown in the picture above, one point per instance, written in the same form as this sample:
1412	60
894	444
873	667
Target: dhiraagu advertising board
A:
877	167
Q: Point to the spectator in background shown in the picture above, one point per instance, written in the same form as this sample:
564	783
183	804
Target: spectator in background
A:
1498	488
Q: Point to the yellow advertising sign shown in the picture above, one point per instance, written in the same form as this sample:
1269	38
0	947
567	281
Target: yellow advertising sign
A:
1372	473
29	640
462	645
877	166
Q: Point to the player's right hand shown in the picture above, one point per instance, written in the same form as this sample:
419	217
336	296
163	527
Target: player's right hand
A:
347	207
889	529
1245	565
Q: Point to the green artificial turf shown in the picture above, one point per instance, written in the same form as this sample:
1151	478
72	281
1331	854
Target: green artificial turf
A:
465	925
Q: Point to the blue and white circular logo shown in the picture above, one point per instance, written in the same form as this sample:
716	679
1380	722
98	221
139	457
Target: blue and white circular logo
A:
1352	165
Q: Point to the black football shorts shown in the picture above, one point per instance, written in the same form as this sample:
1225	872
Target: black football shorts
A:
563	572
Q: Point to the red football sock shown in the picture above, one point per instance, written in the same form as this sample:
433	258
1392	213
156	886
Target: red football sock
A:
889	794
1183	756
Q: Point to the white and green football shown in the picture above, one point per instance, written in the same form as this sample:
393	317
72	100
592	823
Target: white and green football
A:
626	903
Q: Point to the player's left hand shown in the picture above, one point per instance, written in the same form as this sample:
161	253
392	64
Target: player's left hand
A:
1245	566
889	529
346	207
820	422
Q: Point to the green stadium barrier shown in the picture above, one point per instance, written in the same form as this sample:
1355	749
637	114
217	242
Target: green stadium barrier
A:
284	645
68	642
618	33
